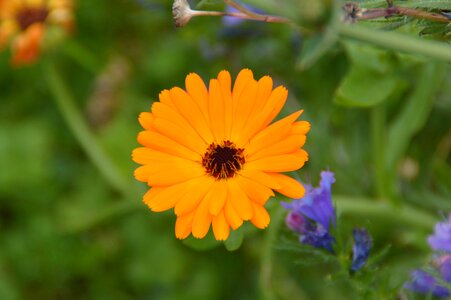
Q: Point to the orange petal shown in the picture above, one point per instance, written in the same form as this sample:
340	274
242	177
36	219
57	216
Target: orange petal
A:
157	159
221	228
254	190
241	81
184	136
166	198
239	200
190	111
260	177
146	120
27	46
263	117
216	109
183	226
242	111
197	192
225	81
288	145
159	142
179	129
272	134
232	216
202	220
261	217
170	176
277	163
300	127
196	88
290	187
218	195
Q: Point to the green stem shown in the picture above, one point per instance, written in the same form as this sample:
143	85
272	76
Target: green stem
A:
400	214
378	137
396	41
266	259
82	56
81	131
415	112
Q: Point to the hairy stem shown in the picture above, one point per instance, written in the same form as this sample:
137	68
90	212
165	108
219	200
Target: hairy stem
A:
81	131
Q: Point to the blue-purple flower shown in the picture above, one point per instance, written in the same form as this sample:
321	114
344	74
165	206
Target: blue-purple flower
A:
424	283
361	248
441	239
312	215
445	267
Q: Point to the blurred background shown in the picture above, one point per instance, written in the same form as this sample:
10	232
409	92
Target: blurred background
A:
380	120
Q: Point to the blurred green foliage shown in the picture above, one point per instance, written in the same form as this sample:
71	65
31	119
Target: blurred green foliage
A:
380	120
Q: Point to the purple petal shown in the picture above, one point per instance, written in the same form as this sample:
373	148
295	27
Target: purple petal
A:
424	283
361	248
441	239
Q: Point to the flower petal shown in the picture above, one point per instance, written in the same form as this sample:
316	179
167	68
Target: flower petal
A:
190	111
232	216
146	120
260	177
183	225
219	197
202	220
260	217
196	194
257	192
221	228
239	200
277	163
196	88
157	141
216	109
289	187
225	81
272	134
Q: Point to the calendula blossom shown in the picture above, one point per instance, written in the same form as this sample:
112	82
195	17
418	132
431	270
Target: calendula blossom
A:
215	155
23	25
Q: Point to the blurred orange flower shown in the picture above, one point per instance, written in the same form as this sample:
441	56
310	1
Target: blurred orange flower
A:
214	156
23	24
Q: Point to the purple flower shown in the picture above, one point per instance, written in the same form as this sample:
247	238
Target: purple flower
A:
318	238
441	239
445	267
312	215
317	203
424	283
361	248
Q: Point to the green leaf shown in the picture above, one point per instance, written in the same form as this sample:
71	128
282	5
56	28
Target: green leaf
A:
369	56
316	47
235	240
364	88
207	243
415	112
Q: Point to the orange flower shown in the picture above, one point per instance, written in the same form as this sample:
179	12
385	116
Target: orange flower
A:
214	156
23	24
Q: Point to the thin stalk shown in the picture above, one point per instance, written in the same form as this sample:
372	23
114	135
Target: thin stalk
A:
240	15
81	131
267	255
241	8
378	134
404	214
375	13
396	41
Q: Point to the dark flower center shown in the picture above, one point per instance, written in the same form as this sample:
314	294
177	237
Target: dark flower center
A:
29	16
223	161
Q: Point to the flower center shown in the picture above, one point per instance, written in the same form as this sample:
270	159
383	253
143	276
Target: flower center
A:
28	16
223	161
